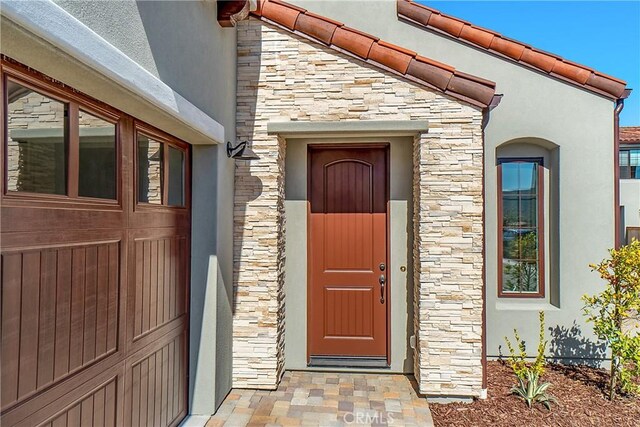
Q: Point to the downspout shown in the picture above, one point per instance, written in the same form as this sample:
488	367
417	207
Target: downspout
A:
485	121
616	162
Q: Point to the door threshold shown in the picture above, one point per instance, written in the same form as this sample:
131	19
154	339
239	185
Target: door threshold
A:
348	362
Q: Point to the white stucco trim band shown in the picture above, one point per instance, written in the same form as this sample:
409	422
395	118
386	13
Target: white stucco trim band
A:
51	23
360	127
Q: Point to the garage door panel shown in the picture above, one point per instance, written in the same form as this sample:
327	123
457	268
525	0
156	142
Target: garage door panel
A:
68	396
158	291
157	378
96	408
22	241
58	216
59	314
159	217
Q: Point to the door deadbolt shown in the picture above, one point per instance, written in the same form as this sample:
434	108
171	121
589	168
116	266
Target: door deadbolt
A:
382	266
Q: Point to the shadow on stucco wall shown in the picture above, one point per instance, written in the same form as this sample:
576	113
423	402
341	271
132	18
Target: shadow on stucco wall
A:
569	346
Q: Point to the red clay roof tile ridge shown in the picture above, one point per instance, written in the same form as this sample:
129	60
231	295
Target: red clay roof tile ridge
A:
630	134
408	63
548	62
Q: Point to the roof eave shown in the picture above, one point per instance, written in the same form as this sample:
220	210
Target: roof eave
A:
546	63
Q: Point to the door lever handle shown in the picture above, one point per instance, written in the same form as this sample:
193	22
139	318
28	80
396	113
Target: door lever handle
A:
382	280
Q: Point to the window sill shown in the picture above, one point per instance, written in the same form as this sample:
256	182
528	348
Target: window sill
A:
525	305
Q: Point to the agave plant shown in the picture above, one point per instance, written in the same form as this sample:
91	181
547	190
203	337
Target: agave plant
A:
531	392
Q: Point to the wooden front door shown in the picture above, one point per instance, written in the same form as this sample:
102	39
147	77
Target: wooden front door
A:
347	294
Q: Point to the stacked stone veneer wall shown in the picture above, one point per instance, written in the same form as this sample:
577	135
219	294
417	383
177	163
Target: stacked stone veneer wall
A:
284	77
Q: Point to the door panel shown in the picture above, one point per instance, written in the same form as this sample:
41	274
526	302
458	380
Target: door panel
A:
347	306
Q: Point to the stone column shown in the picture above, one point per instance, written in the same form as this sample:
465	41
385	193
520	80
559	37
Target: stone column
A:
448	257
258	313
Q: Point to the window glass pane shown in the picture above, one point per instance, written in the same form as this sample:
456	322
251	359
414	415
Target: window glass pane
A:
176	177
150	170
624	157
528	211
624	164
520	276
37	141
634	162
97	174
520	208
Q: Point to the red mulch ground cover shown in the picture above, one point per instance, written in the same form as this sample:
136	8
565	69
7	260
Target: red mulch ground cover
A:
581	398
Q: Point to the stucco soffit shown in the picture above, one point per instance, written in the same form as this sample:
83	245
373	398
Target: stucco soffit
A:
57	27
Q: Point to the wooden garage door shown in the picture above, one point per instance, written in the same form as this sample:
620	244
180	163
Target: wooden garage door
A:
95	262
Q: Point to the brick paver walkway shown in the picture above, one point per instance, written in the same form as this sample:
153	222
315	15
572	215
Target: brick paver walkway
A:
327	399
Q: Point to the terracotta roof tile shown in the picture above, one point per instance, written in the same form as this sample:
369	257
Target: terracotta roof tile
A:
630	135
352	41
477	35
515	50
426	71
446	24
390	57
280	13
315	27
474	90
507	47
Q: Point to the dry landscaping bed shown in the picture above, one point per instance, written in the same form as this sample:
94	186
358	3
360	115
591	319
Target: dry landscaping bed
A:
580	394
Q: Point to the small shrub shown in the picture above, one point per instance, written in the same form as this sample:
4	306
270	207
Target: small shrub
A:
608	311
529	374
518	360
531	392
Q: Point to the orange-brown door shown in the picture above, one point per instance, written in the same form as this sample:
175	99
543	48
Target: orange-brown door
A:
347	298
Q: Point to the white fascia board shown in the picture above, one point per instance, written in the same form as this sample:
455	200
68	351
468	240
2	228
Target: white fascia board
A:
56	26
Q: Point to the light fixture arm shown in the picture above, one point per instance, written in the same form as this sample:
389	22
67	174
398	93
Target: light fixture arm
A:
241	151
237	149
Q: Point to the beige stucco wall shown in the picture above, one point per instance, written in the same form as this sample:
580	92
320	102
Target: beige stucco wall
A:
282	77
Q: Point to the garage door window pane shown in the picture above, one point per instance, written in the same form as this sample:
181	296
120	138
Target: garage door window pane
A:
176	177
97	157
37	141
150	170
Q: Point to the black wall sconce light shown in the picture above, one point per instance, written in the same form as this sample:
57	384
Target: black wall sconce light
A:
241	151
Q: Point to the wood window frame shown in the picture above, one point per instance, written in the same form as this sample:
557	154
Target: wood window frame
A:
540	228
75	101
167	141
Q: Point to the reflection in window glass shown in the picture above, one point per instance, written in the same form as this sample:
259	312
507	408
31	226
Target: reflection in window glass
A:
520	207
97	174
37	141
624	164
634	164
176	177
150	170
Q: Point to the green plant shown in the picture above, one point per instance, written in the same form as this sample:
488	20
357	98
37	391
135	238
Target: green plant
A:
608	311
518	360
529	374
529	389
